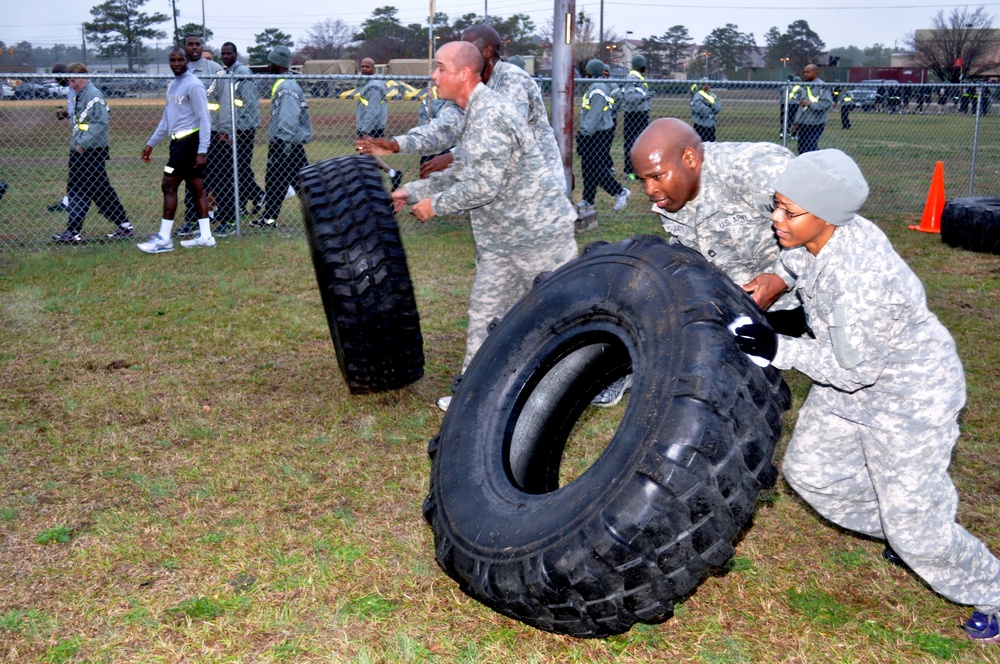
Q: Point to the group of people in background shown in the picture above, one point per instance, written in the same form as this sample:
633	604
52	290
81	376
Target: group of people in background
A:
210	123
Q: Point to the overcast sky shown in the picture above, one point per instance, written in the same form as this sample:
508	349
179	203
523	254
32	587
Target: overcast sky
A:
838	22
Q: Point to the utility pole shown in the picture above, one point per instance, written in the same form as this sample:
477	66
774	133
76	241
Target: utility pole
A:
176	29
83	44
562	84
601	47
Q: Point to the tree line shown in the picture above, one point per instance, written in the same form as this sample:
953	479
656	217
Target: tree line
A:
959	45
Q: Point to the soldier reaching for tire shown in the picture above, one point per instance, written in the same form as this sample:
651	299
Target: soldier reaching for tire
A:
874	438
521	219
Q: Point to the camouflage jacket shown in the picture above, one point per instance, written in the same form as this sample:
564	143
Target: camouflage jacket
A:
441	122
289	113
820	102
517	86
90	119
880	357
372	112
500	175
729	221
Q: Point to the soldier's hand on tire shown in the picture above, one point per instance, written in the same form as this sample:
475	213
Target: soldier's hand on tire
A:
765	289
756	340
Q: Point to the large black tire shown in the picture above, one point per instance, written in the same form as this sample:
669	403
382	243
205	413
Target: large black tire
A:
362	274
674	487
972	223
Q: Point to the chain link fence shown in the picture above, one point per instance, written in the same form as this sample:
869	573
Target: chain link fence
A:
895	141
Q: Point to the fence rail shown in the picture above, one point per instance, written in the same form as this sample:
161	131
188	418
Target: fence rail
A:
958	125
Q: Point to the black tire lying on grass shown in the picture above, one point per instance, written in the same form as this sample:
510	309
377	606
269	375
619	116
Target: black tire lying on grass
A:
668	495
362	274
972	223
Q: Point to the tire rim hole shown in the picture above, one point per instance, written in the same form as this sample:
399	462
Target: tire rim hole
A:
558	434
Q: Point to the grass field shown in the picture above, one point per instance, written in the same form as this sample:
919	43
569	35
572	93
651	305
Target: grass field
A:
185	478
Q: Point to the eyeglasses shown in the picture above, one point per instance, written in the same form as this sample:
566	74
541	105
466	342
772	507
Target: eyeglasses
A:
784	211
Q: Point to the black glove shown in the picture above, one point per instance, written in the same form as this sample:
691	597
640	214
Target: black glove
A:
757	340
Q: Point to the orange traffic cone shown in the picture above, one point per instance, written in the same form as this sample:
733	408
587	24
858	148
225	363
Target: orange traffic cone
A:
930	222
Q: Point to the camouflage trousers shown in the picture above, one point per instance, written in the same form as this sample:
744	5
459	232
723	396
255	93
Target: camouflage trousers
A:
501	280
893	486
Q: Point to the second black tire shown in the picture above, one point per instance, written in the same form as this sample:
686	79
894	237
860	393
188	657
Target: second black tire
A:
362	274
669	494
972	223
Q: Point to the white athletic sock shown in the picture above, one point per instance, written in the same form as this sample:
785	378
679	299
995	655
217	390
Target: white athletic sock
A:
205	226
166	225
211	214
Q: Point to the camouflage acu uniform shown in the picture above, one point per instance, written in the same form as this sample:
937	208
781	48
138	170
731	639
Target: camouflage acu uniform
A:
521	219
729	221
372	114
440	126
874	438
517	86
810	120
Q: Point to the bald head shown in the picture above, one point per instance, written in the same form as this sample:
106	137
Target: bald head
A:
668	135
810	72
367	67
457	71
667	157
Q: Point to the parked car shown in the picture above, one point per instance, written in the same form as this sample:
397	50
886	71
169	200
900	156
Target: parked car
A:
864	98
7	92
55	91
30	91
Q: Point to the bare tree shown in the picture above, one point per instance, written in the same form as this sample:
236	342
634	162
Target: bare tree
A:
328	40
961	45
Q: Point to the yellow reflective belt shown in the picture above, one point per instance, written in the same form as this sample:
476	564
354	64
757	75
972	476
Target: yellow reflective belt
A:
363	100
212	106
275	86
794	91
809	93
83	127
709	97
238	102
181	134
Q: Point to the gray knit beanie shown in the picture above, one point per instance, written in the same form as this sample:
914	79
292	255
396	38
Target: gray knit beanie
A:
281	56
595	67
826	183
517	61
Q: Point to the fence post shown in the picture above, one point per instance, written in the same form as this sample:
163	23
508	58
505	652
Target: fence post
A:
234	147
975	137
